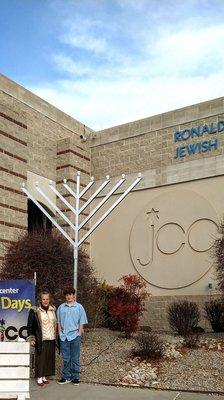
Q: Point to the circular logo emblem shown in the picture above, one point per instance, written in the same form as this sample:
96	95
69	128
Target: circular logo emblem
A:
171	238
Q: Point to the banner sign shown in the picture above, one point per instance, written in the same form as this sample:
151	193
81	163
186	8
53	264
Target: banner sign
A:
16	298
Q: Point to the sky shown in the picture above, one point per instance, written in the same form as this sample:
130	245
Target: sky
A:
108	62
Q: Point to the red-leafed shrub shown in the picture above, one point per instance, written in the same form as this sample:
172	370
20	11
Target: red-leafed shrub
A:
126	304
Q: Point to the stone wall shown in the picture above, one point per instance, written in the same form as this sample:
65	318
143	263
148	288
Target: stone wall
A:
149	143
13	166
71	157
35	137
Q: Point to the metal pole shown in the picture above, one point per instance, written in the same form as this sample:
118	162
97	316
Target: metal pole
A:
35	278
76	255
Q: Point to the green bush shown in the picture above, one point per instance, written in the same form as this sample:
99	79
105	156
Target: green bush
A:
183	317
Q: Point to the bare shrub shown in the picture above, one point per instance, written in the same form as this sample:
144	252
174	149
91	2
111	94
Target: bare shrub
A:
104	293
192	340
51	257
149	345
214	312
218	254
183	316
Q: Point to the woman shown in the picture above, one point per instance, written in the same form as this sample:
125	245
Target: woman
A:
41	329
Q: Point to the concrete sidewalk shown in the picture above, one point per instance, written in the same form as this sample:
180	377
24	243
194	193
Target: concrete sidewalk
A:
53	391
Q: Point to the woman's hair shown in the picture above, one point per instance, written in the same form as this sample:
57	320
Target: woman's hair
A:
69	290
43	292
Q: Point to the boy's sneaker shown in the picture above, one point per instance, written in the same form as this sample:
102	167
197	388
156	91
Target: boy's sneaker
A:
75	382
63	381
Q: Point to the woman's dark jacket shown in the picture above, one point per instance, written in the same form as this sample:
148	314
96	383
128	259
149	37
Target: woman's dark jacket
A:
34	330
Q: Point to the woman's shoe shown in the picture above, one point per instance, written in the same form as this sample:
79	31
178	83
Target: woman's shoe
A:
45	381
41	384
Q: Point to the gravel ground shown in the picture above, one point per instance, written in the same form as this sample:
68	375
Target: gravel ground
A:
103	354
197	370
106	358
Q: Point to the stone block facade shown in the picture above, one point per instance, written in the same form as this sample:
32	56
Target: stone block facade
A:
38	138
71	157
149	143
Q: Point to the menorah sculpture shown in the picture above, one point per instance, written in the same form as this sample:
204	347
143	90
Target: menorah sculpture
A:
77	209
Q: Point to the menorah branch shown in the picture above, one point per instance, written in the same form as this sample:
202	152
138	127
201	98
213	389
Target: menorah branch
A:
76	243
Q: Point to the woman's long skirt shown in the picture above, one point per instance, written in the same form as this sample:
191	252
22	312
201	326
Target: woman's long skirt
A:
45	361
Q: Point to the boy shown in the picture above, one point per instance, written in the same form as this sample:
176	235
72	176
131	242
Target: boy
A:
71	318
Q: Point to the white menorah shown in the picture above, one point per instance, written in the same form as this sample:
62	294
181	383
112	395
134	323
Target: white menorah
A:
77	209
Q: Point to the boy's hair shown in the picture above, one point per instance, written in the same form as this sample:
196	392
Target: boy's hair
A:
69	290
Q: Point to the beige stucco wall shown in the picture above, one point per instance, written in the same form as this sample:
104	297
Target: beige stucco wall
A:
182	223
170	229
164	229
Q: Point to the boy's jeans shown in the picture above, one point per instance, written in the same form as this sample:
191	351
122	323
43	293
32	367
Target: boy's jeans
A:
70	352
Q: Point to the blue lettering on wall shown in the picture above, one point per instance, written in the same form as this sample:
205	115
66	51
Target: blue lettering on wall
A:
177	136
182	151
192	148
199	147
205	129
201	130
220	126
214	128
213	144
205	146
186	134
194	132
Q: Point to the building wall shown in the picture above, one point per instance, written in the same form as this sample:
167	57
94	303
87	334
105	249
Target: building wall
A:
37	138
71	157
149	143
164	230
